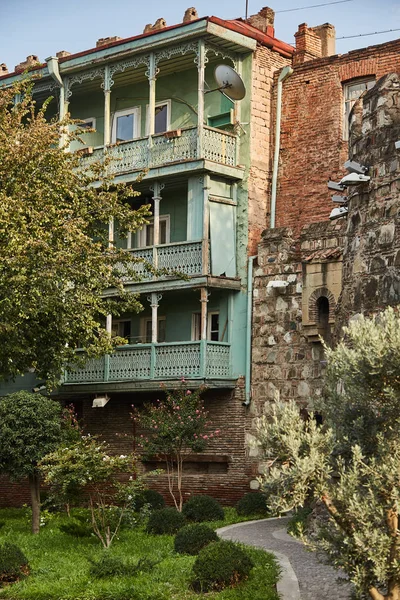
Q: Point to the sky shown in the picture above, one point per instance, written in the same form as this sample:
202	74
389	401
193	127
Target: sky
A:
44	27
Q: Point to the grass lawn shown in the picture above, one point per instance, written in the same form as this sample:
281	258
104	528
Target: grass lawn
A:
60	566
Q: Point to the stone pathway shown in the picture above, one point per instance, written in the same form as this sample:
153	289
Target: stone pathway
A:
303	576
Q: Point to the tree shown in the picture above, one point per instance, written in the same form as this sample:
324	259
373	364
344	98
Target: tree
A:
87	465
56	257
352	463
30	427
173	427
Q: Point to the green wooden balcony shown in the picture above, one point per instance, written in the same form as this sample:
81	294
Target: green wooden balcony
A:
182	257
192	360
136	155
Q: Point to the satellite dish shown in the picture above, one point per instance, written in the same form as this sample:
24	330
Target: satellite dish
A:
229	82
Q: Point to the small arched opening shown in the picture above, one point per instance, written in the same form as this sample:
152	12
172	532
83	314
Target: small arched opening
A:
322	306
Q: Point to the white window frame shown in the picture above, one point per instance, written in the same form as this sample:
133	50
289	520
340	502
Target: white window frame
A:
91	120
161	103
347	102
143	327
196	325
142	234
135	110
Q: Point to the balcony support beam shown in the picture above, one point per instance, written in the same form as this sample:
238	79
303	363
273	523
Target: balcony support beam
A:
203	314
154	299
201	62
152	75
107	107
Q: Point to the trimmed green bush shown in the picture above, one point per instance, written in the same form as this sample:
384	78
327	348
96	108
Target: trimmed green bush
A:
155	499
203	508
219	565
165	521
192	538
13	562
253	503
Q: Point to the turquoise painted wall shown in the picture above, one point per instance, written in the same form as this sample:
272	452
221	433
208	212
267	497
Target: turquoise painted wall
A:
181	89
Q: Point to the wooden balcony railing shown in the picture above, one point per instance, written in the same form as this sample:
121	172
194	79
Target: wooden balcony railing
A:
217	146
202	359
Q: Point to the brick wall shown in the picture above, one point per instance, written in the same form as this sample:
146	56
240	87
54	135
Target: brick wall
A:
265	64
227	473
312	145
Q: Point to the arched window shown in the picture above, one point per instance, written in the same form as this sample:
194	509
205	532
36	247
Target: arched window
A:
322	306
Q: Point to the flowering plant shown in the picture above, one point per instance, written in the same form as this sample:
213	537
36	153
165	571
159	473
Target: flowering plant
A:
173	427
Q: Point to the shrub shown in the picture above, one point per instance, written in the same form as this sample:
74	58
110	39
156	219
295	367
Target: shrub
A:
76	528
219	565
13	562
252	503
155	499
165	521
192	538
203	508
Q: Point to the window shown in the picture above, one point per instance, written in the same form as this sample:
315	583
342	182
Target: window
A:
121	329
145	326
89	123
352	91
162	117
212	326
125	125
146	235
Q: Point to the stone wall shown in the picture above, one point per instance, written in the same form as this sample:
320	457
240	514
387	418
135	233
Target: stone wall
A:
313	148
371	276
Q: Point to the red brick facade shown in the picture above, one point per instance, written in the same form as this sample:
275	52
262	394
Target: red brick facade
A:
312	146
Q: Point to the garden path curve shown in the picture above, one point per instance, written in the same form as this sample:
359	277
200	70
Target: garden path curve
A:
303	577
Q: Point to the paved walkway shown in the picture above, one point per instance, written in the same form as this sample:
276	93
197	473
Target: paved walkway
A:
303	576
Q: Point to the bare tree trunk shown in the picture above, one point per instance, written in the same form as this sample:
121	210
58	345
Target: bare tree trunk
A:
34	486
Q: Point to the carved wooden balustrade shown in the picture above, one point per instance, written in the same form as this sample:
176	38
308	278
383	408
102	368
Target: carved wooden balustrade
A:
202	359
136	155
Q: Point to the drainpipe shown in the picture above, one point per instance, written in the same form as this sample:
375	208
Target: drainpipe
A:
54	71
286	72
248	329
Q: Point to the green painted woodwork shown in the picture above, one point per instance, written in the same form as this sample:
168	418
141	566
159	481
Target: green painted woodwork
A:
220	187
223	243
195	206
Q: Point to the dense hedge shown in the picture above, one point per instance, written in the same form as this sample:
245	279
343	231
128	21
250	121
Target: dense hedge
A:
192	538
165	521
203	508
13	562
252	503
219	565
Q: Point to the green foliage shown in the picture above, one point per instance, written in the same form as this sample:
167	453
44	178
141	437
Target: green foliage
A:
30	427
352	464
76	528
12	562
60	569
298	522
219	565
115	566
52	221
87	464
192	538
202	508
252	503
175	426
151	497
165	521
